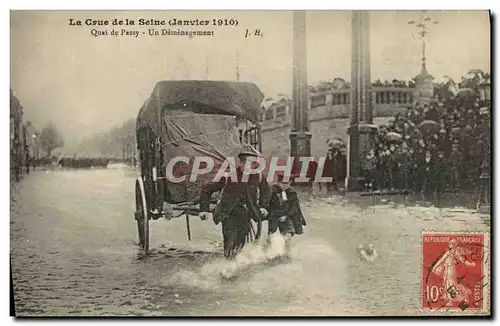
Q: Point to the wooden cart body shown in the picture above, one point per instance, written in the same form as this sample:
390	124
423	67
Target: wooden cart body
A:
193	118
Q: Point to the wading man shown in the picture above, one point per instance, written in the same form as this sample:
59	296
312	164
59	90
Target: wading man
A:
241	200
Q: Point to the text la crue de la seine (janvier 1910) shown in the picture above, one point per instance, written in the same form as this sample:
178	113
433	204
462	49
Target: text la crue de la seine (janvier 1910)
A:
127	26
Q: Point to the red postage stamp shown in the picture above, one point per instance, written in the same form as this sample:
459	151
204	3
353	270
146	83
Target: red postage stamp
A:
455	274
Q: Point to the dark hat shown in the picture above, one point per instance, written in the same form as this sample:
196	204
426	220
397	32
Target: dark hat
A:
280	175
244	154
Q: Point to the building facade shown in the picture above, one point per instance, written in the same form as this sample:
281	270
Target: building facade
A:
16	136
23	142
329	116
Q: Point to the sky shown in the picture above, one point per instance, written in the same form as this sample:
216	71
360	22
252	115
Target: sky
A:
87	84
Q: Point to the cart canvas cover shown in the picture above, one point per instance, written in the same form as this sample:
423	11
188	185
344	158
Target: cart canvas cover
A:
198	121
234	98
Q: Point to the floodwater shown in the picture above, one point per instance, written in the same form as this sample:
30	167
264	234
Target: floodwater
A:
74	253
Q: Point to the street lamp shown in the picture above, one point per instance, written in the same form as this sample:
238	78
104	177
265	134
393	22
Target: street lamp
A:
35	146
423	81
35	149
422	26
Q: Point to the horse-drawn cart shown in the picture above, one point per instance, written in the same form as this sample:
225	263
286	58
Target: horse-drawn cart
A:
189	119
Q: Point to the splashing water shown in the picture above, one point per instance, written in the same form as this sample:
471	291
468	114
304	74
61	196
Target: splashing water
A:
312	282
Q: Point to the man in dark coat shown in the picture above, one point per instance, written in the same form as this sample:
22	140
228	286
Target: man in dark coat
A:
285	214
240	201
455	168
329	169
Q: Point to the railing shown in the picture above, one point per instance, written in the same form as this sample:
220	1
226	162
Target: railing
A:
332	103
383	95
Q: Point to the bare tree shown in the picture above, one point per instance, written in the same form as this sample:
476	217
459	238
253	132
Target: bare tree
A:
51	138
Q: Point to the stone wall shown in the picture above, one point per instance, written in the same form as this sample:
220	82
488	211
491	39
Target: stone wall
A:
276	139
329	115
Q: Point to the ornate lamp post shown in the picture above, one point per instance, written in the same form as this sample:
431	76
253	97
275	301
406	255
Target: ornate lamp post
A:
423	30
424	79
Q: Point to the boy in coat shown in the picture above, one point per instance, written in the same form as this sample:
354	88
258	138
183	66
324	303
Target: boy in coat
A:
284	213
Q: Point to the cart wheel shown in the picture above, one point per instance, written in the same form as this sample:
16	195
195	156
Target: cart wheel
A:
142	215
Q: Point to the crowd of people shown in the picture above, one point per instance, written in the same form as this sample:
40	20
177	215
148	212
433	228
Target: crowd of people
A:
431	148
393	83
339	83
83	163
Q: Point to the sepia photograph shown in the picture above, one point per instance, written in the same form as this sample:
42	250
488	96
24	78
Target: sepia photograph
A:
250	163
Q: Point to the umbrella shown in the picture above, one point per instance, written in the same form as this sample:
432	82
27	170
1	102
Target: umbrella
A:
334	138
475	72
335	143
467	94
429	127
393	137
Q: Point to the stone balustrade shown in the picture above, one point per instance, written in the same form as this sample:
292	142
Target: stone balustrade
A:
387	101
329	114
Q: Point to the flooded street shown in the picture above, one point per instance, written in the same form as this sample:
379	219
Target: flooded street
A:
74	252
